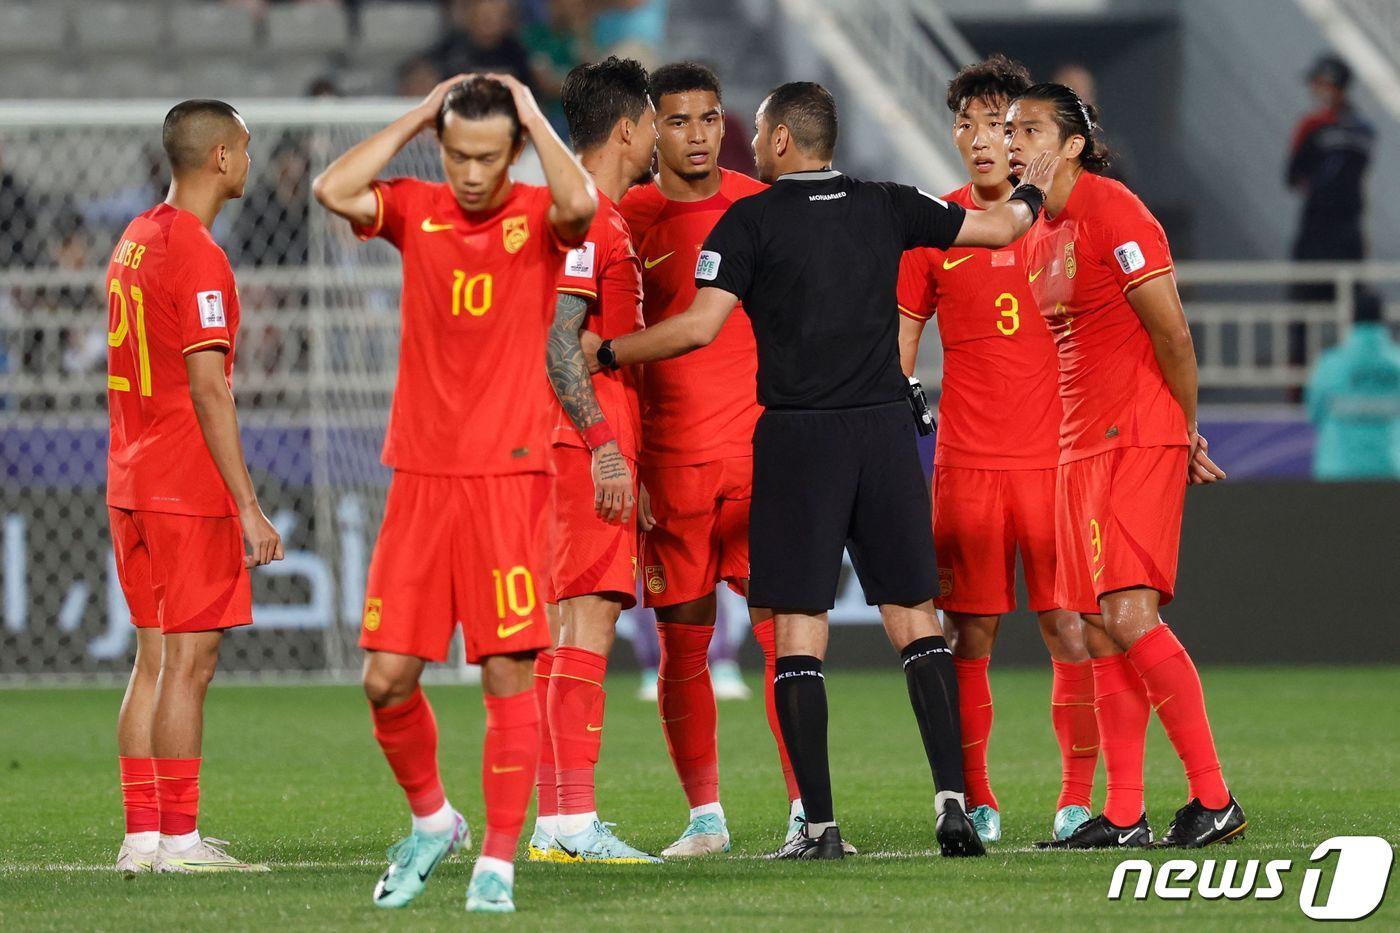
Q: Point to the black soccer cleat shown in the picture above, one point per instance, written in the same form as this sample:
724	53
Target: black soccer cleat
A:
801	846
1099	833
957	837
1196	827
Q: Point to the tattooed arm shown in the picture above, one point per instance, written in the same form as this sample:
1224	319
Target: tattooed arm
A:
613	495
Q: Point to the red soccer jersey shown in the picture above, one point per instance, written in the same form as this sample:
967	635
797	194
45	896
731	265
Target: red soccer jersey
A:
1081	265
999	409
605	270
170	292
702	406
472	397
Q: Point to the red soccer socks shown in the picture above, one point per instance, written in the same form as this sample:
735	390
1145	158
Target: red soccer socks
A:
1120	706
138	778
177	790
766	636
975	718
1076	730
407	732
508	758
686	699
575	704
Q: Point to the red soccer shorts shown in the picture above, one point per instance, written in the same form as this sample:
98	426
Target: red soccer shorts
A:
181	573
981	518
1118	524
458	550
702	529
590	556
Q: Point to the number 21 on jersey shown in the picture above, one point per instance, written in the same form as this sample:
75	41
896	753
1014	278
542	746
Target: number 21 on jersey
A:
126	316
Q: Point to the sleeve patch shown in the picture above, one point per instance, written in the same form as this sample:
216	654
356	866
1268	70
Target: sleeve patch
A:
707	266
211	309
580	261
1129	256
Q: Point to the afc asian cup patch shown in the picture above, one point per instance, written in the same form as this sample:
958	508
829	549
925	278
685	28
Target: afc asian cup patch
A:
514	232
1070	265
707	266
211	309
945	582
373	608
580	261
1130	258
656	579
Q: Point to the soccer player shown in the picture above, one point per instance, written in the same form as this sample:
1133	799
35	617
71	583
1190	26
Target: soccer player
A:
1101	271
698	416
593	572
994	468
468	441
179	498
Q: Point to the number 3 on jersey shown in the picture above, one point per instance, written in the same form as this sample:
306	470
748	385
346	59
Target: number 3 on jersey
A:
120	320
1010	309
472	294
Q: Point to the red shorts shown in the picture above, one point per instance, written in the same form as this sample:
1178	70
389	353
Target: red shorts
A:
981	518
181	573
590	556
702	529
1118	524
458	550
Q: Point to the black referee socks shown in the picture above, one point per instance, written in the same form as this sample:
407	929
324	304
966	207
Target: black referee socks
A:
933	692
799	692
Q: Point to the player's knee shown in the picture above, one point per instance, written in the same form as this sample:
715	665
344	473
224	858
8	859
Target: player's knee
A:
383	688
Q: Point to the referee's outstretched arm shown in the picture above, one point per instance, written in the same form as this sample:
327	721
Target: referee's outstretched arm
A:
695	327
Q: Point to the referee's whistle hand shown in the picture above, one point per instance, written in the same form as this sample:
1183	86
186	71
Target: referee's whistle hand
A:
590	342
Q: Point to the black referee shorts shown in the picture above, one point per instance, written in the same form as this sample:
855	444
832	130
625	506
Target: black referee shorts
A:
827	480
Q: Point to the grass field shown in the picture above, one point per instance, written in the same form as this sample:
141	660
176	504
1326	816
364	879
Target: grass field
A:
293	777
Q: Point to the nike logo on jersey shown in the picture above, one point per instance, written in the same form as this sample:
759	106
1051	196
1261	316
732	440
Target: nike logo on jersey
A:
592	728
649	263
1036	274
1220	823
1124	837
505	631
956	262
430	227
1162	704
1082	748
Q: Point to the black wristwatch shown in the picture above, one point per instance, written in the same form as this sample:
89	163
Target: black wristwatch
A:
606	357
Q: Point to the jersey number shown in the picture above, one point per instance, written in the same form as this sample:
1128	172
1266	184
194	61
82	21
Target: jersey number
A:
118	310
514	588
472	294
1010	309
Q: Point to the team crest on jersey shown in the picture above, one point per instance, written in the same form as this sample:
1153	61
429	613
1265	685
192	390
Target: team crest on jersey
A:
945	582
1070	265
656	579
514	232
373	608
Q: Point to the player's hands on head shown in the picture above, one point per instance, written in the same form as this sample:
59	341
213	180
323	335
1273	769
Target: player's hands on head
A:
613	497
1200	469
646	519
1041	171
432	104
589	342
264	542
525	106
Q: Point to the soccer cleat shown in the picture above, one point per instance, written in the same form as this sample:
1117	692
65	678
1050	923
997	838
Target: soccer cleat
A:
801	846
596	843
542	848
987	822
1099	833
1070	818
1196	827
205	856
412	861
728	683
707	834
647	690
957	837
134	861
795	823
489	893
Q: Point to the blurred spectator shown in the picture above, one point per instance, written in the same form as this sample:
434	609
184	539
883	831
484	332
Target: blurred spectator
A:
556	44
1077	77
1353	399
19	246
324	86
271	228
417	77
631	29
108	215
481	36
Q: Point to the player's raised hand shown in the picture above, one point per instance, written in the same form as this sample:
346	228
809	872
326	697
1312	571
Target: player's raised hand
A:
589	342
525	105
264	542
1200	469
646	519
613	498
432	104
1041	171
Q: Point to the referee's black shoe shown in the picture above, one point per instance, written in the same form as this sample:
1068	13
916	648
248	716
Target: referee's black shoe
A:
957	837
801	846
1195	826
1099	833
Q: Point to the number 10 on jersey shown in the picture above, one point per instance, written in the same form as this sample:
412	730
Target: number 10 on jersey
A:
470	293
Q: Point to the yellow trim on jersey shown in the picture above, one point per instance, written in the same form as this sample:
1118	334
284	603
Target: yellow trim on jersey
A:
216	341
373	231
585	292
1145	276
911	315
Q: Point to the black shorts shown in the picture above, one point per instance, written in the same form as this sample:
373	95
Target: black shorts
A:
827	480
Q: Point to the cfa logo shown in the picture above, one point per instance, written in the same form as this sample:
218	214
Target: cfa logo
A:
1359	878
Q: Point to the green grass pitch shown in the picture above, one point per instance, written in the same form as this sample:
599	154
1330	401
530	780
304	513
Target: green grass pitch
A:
293	777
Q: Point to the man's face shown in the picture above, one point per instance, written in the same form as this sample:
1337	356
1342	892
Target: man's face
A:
477	156
978	134
689	129
1031	130
238	160
764	159
1324	92
643	145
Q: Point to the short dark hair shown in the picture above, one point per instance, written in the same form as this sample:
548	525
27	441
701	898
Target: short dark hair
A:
678	77
997	78
191	128
477	98
595	95
809	112
1073	117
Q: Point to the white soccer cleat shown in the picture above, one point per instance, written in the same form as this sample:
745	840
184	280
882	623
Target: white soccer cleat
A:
207	855
707	834
728	682
134	861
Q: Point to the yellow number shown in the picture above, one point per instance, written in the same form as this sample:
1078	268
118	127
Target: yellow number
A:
117	304
1095	539
1010	309
473	294
509	591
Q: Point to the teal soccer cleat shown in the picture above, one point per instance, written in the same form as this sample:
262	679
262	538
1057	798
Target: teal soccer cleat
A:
413	860
597	843
1068	819
489	893
707	834
988	823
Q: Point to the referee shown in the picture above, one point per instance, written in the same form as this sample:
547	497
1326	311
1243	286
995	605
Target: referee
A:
815	260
